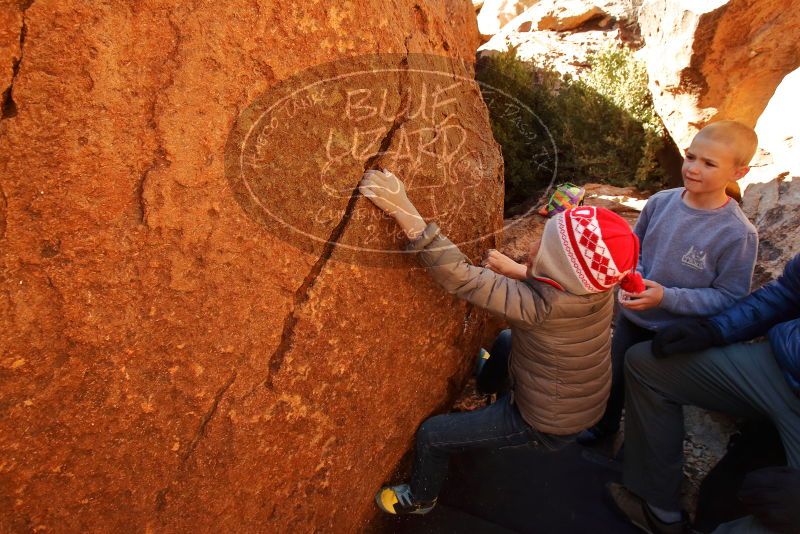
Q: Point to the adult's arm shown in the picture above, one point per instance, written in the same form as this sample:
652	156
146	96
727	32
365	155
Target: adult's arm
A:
776	302
785	341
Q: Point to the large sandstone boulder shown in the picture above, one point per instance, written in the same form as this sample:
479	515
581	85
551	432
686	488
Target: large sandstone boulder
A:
171	363
716	59
10	25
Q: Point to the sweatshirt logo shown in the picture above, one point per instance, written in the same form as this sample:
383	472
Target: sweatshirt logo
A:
696	259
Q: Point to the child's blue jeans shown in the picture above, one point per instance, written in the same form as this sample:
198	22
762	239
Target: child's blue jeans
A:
497	425
493	376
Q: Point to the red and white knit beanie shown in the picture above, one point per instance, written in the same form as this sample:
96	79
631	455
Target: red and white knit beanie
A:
588	250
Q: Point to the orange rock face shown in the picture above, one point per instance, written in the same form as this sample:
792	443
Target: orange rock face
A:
719	59
171	360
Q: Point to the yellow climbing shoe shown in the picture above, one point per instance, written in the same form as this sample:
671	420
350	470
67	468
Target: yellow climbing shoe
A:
398	500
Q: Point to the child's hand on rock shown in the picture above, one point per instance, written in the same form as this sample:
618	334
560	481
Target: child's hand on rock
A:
647	299
386	191
502	264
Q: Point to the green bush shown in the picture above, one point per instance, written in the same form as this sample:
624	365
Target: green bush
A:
603	126
622	79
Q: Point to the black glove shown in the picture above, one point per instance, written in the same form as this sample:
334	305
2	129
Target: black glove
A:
772	495
686	335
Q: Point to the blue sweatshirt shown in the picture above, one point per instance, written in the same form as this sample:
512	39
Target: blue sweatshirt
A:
703	258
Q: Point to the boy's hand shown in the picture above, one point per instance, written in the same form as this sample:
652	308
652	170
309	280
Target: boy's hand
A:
502	264
386	191
647	299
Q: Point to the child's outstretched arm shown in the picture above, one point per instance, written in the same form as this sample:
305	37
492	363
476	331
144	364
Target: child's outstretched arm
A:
512	299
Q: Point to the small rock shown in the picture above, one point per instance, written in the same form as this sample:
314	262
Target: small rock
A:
569	16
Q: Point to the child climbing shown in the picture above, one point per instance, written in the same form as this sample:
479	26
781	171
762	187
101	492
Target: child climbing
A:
559	308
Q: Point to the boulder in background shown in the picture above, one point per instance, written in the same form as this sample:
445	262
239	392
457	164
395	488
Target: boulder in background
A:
716	59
